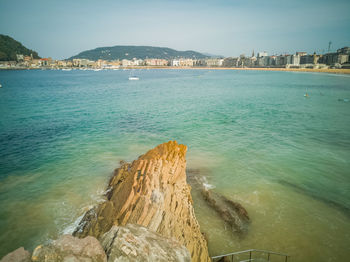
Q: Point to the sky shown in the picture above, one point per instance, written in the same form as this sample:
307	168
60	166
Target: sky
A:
61	29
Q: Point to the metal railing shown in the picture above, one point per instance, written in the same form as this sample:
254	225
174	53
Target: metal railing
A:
250	251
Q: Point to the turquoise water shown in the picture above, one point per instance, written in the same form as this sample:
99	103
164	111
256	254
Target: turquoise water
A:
252	134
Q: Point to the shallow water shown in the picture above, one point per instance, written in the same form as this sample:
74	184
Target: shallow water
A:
252	134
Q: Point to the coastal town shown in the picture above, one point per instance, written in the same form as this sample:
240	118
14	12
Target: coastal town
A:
300	60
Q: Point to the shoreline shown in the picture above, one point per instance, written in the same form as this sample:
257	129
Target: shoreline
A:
309	70
331	71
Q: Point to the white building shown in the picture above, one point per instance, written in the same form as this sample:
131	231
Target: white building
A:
214	62
126	62
262	54
175	62
295	60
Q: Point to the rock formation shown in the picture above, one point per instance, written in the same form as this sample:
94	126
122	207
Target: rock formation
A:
69	248
233	213
18	255
152	192
136	243
123	243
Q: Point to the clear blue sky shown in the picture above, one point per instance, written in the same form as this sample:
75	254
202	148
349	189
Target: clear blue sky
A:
63	28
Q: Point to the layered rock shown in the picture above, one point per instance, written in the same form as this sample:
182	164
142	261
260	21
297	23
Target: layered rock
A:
152	192
69	248
136	243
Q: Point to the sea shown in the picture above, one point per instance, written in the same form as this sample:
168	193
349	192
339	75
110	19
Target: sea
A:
252	136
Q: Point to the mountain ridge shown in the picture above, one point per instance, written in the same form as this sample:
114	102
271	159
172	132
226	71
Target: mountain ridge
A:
132	51
10	47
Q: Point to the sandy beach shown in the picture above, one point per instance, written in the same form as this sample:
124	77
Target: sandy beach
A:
330	71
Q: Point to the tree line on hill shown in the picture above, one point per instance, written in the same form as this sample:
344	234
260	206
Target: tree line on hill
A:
10	48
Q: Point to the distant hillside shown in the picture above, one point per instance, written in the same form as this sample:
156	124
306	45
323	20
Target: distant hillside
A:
140	52
213	56
9	47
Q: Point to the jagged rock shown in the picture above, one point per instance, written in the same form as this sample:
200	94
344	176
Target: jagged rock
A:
70	249
18	255
231	212
136	243
152	192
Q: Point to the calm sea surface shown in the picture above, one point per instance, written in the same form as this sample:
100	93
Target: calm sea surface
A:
252	134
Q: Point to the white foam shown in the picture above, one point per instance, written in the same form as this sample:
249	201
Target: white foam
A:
206	184
70	229
97	199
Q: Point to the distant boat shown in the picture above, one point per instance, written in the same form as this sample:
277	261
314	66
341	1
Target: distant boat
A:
98	69
0	86
132	77
66	69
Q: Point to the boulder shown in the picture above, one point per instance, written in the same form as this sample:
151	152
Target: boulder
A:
137	243
152	192
18	255
70	249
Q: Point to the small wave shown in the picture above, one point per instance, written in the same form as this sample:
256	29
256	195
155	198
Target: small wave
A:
206	185
97	199
70	228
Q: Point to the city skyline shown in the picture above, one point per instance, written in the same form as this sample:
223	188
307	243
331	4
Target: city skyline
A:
61	29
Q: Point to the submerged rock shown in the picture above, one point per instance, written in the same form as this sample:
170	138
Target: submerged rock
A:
233	213
18	255
69	248
152	192
136	243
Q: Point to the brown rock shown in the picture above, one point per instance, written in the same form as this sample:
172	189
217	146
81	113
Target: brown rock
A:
18	255
136	243
231	212
69	248
152	192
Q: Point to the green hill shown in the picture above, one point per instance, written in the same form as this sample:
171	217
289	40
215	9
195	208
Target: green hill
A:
9	47
140	52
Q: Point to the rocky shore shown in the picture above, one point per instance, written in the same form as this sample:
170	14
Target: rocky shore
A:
151	191
147	216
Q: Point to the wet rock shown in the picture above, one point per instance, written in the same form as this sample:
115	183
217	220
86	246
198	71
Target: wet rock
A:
18	255
136	243
233	213
152	192
70	249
